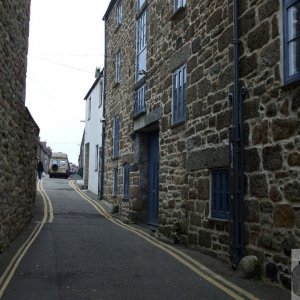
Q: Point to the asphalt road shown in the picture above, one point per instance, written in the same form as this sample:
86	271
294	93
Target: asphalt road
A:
83	255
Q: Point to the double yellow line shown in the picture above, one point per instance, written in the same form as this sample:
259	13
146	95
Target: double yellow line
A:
47	218
48	208
218	281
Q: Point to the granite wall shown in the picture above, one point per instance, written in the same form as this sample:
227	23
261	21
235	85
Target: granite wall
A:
18	131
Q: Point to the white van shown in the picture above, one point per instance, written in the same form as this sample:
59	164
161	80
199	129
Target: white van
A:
59	165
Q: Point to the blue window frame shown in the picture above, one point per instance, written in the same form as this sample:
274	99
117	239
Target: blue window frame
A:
118	66
140	100
291	28
220	194
179	4
119	13
141	46
179	95
126	169
116	130
115	183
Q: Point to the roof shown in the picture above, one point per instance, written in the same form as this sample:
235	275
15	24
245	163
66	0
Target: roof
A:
94	84
110	6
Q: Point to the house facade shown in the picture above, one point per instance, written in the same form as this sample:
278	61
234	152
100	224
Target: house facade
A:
18	131
202	124
93	135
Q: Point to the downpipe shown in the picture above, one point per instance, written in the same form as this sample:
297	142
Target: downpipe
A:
237	247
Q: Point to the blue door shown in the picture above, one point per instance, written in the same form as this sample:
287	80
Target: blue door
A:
153	178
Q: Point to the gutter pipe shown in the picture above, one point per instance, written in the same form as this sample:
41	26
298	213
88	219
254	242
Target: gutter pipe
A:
237	154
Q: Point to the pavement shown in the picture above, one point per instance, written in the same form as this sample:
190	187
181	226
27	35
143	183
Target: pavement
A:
260	289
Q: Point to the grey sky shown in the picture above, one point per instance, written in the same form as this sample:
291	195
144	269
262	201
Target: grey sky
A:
66	43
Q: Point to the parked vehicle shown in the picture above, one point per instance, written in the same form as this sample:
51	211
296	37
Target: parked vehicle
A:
59	165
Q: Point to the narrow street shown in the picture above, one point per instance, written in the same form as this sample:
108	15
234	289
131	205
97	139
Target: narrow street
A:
79	252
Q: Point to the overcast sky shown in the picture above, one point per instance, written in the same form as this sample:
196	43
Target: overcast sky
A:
66	43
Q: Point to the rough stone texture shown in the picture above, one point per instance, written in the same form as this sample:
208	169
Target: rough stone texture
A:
201	38
18	131
272	158
284	216
247	267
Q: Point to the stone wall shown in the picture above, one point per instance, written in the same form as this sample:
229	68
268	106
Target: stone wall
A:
200	36
120	102
18	131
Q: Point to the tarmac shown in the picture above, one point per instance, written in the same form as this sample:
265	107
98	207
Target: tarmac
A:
257	287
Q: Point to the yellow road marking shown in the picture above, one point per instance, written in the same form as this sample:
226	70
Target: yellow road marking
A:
207	274
47	217
48	212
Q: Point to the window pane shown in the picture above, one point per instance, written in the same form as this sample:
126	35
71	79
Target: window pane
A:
294	57
140	3
293	21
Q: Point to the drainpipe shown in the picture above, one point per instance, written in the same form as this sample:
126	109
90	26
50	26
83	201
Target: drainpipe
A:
101	194
237	154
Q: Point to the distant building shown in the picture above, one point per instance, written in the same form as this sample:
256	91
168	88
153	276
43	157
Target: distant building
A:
44	154
202	134
93	135
18	131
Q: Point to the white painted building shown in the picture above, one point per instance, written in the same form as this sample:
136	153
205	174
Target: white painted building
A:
94	122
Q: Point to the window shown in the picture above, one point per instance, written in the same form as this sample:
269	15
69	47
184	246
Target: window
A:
115	183
101	94
96	157
116	137
126	170
118	66
179	95
140	99
119	13
291	16
179	4
141	44
220	194
89	107
140	3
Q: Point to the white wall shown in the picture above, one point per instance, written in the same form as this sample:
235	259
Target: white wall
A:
93	134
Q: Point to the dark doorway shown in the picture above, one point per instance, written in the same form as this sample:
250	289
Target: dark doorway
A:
153	178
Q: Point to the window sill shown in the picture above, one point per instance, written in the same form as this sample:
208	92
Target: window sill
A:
114	158
291	83
139	83
116	84
117	27
179	14
138	114
177	124
141	10
218	220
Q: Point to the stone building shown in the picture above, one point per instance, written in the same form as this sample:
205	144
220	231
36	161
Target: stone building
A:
18	131
202	124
